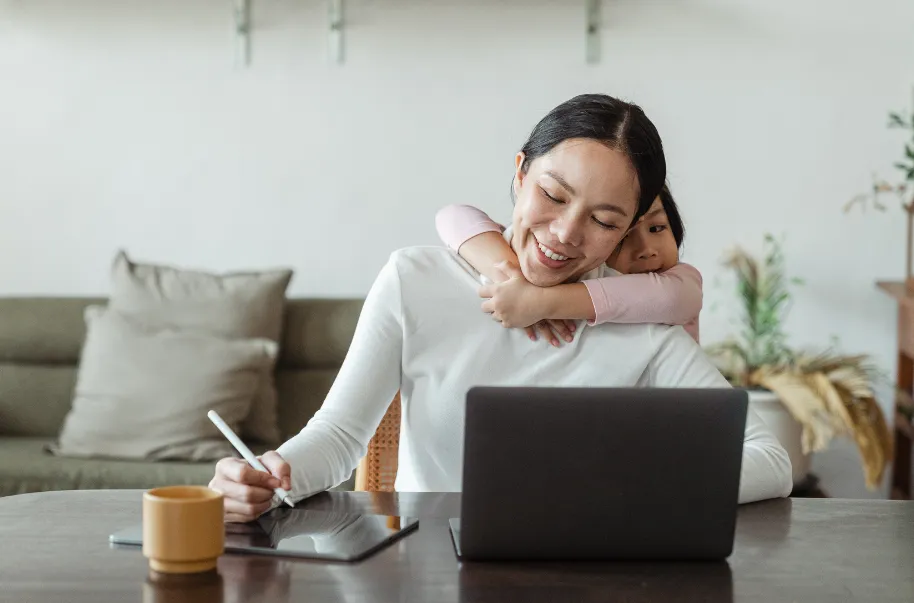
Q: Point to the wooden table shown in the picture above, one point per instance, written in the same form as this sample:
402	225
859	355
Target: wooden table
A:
904	401
54	547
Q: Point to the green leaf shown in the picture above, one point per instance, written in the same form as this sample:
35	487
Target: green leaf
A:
764	294
904	167
910	175
896	121
909	151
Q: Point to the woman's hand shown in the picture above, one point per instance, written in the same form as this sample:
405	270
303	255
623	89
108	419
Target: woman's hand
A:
248	492
517	303
550	329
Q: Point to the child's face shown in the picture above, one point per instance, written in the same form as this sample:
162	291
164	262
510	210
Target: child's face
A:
648	247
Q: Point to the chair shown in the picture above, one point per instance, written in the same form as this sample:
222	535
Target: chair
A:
377	471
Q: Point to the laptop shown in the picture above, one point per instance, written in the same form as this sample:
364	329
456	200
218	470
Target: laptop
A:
600	473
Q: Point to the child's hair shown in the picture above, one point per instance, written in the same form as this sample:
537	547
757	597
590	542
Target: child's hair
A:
672	215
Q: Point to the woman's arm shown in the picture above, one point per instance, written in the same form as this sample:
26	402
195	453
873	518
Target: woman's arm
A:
326	451
679	362
672	297
476	237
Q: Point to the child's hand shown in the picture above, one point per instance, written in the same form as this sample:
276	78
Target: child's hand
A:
504	271
517	303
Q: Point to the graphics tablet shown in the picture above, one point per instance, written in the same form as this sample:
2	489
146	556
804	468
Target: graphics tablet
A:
304	533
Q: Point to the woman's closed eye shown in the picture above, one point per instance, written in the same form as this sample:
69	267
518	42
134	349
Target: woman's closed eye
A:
551	197
605	225
557	200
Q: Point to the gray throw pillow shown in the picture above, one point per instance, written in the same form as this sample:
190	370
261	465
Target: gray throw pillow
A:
229	305
144	394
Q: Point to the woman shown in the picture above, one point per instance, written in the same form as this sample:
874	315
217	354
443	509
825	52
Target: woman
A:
590	169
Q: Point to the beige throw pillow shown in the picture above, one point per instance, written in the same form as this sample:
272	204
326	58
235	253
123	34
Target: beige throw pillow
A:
229	305
144	394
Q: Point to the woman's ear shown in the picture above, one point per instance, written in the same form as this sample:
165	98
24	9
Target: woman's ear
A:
518	171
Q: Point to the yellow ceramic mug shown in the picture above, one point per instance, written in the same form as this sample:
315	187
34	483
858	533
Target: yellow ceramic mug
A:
183	530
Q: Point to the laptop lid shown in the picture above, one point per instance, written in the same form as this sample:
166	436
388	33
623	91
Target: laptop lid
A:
601	473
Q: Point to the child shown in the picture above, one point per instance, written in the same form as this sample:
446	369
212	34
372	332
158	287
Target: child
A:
654	286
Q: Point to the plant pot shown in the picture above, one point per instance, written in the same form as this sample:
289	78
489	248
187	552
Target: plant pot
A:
784	427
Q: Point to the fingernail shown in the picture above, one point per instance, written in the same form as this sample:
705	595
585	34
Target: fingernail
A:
568	338
572	328
555	343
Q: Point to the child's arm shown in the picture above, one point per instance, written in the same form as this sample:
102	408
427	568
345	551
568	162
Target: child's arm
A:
471	233
478	239
692	328
457	224
672	297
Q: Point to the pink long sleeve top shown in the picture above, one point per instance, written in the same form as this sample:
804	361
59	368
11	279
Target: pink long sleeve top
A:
671	297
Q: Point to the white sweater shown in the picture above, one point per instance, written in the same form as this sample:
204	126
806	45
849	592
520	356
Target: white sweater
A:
422	332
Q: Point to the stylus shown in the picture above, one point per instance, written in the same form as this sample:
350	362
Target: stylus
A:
245	452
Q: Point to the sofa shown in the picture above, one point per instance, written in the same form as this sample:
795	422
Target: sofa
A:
40	344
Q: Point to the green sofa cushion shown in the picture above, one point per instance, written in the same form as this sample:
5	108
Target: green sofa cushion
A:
43	330
34	398
317	332
27	467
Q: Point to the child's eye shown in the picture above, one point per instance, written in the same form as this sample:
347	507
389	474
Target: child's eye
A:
657	228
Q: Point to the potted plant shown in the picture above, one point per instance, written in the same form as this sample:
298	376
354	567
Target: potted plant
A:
881	187
806	398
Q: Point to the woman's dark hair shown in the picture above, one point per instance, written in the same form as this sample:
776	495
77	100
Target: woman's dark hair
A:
672	215
615	123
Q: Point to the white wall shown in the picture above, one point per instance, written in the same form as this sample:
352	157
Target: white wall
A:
124	124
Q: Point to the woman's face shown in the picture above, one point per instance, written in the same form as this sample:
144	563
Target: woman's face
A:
649	247
572	208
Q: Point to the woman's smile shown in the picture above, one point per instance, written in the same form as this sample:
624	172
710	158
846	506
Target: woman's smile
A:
549	256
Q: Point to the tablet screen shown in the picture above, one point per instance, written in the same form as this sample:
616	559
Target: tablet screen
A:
305	533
